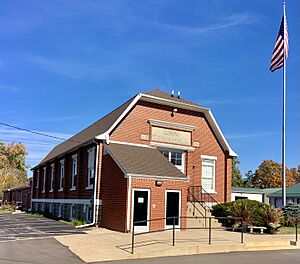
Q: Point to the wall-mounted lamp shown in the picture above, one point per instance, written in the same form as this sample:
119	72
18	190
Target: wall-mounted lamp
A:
158	183
175	110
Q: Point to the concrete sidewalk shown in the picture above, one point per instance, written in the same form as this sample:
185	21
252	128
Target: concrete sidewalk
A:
104	245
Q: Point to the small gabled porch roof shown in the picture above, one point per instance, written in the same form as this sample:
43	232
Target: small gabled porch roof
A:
143	162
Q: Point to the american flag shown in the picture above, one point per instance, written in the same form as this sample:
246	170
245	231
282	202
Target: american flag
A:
281	48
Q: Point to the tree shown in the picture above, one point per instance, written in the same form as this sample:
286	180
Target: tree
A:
296	173
12	166
269	175
249	179
237	179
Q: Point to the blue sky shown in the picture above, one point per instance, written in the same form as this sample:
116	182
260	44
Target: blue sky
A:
64	64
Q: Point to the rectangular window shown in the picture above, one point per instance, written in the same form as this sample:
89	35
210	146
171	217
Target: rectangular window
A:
44	179
74	172
72	212
176	158
60	210
91	167
52	178
208	174
62	175
37	178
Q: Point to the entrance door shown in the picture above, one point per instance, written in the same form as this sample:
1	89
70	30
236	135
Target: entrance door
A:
173	207
141	209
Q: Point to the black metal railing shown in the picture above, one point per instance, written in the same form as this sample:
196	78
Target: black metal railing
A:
201	195
174	228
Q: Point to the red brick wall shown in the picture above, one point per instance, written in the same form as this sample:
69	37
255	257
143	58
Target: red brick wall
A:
136	123
80	193
114	196
157	198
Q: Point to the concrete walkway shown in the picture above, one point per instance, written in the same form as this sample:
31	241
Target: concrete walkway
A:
103	245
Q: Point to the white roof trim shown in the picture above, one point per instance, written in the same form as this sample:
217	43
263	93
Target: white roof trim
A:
171	102
204	110
131	105
156	177
212	121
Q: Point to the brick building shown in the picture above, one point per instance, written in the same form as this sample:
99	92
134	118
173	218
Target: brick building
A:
136	163
19	196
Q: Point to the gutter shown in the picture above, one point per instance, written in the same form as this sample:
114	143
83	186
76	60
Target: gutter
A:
95	192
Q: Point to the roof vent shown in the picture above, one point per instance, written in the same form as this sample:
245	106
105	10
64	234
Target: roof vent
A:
172	93
178	94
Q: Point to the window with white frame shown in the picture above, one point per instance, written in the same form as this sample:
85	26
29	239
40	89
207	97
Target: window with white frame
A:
209	173
37	178
89	213
175	157
91	167
44	179
72	211
60	210
74	172
52	178
62	175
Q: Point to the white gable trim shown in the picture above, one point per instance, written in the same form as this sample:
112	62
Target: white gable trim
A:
208	114
105	136
212	121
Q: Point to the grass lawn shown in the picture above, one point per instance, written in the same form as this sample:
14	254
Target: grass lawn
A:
288	230
3	211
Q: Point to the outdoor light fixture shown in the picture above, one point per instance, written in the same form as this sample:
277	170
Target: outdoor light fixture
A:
175	110
158	183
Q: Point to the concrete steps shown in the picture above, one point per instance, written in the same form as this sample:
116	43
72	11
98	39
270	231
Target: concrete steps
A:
197	212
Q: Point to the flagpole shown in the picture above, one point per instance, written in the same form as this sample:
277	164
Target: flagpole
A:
283	117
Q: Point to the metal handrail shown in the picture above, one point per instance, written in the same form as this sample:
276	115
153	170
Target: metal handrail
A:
193	203
173	228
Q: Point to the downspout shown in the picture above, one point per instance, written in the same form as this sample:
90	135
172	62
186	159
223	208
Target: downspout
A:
128	203
95	192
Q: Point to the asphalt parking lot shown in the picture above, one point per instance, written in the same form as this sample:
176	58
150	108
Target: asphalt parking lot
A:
24	226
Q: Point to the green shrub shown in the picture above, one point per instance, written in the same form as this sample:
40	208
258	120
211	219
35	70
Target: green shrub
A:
291	214
9	207
78	222
253	213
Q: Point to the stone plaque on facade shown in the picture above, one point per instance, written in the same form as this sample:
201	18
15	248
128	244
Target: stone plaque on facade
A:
196	144
171	136
144	137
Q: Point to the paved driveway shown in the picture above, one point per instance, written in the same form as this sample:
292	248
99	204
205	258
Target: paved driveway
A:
25	226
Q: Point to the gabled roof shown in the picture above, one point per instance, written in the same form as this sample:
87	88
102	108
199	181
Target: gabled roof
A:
291	191
18	187
88	134
102	128
143	161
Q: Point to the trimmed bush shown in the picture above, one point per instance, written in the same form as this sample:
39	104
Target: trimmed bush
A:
78	222
253	213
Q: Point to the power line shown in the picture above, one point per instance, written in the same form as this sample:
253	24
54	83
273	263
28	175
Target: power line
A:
37	133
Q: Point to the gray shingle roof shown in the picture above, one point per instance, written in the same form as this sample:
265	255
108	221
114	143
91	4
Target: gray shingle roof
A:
102	125
168	96
88	134
143	161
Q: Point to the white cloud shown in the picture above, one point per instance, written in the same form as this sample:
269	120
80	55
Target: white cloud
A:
250	136
229	22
